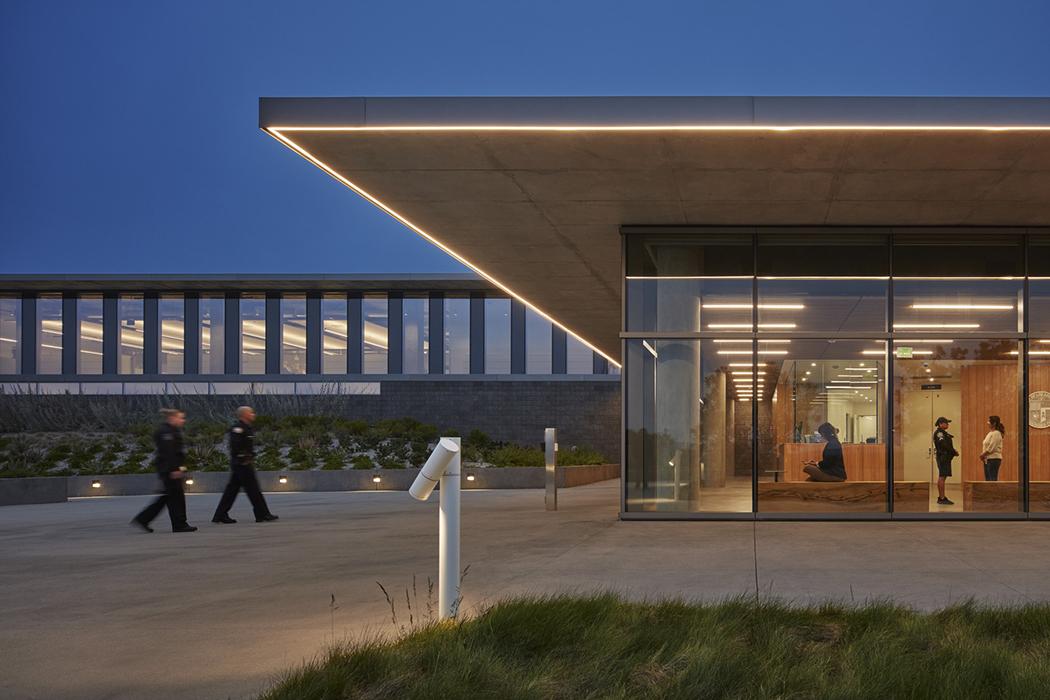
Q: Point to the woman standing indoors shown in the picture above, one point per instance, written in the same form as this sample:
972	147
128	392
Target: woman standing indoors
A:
992	456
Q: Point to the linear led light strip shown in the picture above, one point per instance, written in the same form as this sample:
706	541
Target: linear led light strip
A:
666	127
276	133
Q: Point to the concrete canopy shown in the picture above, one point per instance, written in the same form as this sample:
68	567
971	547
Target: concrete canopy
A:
531	192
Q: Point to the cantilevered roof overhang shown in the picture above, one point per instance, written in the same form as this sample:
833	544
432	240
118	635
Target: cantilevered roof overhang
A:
531	192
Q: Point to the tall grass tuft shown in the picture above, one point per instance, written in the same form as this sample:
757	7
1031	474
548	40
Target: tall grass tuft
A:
604	647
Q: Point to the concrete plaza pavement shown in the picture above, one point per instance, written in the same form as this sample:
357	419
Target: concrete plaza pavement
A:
94	609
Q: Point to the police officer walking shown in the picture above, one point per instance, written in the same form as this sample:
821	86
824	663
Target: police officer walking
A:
242	471
170	463
945	452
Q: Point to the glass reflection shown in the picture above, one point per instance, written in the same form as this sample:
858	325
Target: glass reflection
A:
132	333
375	312
49	334
538	332
957	305
416	336
334	334
457	336
688	431
579	359
827	305
10	335
293	334
253	334
497	336
212	335
1038	425
171	311
89	335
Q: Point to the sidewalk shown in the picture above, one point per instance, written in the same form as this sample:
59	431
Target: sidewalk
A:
92	608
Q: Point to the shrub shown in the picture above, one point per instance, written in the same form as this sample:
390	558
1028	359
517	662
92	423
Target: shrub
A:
478	439
580	455
362	462
515	456
269	461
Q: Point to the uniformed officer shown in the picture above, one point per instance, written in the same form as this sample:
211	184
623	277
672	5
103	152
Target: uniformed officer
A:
170	463
242	471
945	451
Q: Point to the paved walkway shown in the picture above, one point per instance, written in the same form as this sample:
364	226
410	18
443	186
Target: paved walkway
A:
93	609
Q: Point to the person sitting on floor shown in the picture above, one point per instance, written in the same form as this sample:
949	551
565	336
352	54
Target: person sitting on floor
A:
831	467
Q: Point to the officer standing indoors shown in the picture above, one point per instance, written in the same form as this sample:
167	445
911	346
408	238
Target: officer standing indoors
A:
945	452
242	471
170	463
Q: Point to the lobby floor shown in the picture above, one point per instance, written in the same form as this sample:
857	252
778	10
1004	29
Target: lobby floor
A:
94	609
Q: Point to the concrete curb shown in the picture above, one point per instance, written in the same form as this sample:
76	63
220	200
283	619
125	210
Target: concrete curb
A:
38	489
57	489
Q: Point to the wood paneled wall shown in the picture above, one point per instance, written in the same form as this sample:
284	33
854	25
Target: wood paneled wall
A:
989	389
1038	438
863	462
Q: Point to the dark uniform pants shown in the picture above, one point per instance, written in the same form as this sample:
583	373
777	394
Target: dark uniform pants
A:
242	477
174	497
944	466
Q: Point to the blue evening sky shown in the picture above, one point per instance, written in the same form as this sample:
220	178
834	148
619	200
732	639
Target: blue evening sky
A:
129	140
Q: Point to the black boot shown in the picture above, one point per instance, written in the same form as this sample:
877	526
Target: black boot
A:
224	519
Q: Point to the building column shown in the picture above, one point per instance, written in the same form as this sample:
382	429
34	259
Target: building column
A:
437	333
477	333
28	339
191	333
313	333
232	324
559	350
395	333
110	333
677	419
517	337
151	333
354	334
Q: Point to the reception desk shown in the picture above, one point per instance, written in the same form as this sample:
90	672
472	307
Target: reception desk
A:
863	462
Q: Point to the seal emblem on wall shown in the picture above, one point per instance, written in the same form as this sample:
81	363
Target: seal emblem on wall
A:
1039	409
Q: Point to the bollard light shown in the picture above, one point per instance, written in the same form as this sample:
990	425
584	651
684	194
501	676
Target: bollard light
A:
470	477
282	479
189	482
443	466
376	479
96	484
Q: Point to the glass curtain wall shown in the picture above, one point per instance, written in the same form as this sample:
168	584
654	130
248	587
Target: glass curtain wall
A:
130	316
416	336
457	336
497	336
538	332
579	359
958	321
293	334
212	349
334	334
89	334
1037	421
846	346
49	334
688	417
375	313
10	335
253	334
171	311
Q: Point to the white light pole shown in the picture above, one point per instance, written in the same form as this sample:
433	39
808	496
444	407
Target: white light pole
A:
443	466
